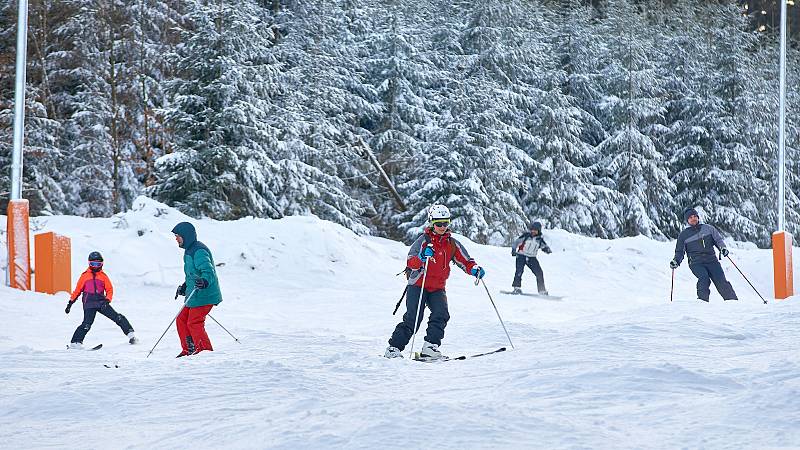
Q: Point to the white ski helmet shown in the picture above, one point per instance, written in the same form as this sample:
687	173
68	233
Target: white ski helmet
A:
438	212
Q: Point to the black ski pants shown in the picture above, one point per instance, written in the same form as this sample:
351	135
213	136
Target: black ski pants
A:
104	308
708	272
532	264
436	301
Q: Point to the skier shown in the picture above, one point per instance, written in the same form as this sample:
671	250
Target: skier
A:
201	276
698	243
525	248
97	292
436	248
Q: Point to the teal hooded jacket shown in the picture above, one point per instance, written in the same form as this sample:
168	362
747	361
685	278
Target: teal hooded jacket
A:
198	263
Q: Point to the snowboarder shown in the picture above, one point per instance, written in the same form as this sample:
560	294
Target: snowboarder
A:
97	292
198	266
698	243
436	247
525	248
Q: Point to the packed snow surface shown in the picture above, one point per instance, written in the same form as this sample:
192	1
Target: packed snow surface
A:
614	364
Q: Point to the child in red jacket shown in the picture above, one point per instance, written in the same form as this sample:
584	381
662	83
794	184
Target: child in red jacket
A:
97	292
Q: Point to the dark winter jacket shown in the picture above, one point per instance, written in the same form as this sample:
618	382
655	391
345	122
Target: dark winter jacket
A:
198	263
698	243
445	249
528	245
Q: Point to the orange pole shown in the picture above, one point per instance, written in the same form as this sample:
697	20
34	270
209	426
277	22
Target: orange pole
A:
19	254
782	264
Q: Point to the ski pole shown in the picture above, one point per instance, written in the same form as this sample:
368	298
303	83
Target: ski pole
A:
419	304
672	289
397	306
498	312
745	279
170	324
215	320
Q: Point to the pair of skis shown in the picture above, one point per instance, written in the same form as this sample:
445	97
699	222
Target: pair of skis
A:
88	349
420	358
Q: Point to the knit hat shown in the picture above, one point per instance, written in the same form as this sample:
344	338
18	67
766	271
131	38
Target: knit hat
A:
689	213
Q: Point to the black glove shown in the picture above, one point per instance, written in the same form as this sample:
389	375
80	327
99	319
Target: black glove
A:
181	290
513	252
201	283
674	264
547	250
724	251
69	306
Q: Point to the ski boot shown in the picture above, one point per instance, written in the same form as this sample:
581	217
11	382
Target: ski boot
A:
393	352
75	346
430	351
517	290
132	339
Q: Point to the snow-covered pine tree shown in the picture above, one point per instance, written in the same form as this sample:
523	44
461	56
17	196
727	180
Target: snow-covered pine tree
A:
630	163
474	162
221	100
86	74
326	100
562	189
405	80
719	162
41	155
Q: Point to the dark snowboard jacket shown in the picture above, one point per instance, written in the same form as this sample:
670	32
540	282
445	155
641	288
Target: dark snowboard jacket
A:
698	243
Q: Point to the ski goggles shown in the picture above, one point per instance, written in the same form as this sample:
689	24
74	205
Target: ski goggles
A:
441	223
95	263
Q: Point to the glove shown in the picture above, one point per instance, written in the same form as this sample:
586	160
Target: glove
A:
69	306
478	272
181	290
547	250
513	253
426	253
201	283
674	264
724	251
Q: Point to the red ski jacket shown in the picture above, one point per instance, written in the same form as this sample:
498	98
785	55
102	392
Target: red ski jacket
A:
445	250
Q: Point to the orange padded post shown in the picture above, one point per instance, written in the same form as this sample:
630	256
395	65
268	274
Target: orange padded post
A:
19	253
53	262
782	263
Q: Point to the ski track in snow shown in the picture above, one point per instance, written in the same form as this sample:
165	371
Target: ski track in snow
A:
613	365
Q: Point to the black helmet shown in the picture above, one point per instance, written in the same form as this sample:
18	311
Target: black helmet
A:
95	256
535	226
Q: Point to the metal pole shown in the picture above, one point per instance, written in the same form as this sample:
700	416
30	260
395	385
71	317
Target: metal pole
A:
497	312
19	100
781	125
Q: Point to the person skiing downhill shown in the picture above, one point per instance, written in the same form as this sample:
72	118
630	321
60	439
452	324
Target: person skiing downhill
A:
525	249
698	241
201	276
438	249
97	291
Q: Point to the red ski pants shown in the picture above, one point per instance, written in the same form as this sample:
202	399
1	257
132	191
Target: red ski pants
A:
191	322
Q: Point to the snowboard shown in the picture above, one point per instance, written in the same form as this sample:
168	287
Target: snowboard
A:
530	294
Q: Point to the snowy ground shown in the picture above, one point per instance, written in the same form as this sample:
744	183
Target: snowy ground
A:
612	365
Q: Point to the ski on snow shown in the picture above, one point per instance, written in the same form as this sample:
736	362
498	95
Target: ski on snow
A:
418	357
96	347
531	294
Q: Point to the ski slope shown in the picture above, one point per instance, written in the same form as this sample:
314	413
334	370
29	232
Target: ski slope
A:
615	364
